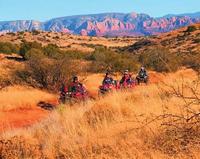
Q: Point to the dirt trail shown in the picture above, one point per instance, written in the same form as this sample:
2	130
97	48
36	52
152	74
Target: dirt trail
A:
18	110
21	118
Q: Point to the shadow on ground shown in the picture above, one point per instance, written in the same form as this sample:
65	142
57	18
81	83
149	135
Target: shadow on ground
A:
46	106
19	59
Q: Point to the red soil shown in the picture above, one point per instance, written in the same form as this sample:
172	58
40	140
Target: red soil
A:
26	117
21	118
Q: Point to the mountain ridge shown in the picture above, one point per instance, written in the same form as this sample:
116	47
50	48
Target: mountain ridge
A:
105	24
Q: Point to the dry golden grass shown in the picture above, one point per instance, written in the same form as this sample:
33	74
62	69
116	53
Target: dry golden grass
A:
119	125
19	97
110	127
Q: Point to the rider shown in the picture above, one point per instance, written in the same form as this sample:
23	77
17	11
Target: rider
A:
76	86
142	73
107	79
126	78
63	90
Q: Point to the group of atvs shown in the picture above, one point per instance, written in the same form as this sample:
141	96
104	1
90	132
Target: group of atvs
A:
77	92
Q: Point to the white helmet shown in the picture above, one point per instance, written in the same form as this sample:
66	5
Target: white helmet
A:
142	68
126	72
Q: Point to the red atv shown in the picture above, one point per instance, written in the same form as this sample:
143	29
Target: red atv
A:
77	95
127	84
105	88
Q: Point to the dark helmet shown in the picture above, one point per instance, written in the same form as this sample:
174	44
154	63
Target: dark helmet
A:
108	73
75	78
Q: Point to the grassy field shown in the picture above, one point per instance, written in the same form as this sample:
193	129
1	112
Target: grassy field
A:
147	122
19	97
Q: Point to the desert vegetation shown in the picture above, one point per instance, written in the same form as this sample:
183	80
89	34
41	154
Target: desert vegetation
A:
158	120
48	66
8	48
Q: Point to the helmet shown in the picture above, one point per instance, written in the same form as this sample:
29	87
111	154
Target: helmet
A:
126	72
142	68
107	73
75	78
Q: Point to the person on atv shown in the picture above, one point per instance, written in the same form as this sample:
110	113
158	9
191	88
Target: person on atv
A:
126	80
63	91
75	90
108	84
142	76
107	79
76	86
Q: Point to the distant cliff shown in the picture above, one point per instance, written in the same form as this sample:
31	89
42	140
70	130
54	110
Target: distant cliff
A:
107	24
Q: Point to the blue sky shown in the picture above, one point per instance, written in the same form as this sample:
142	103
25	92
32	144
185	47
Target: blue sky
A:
46	9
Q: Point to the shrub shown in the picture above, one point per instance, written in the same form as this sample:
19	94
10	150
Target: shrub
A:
160	59
196	40
35	32
53	51
4	82
34	53
8	48
192	60
179	132
76	55
47	73
140	44
11	33
102	59
191	28
21	33
26	46
56	37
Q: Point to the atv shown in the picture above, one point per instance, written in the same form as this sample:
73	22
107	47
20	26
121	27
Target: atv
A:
142	79
127	85
106	88
73	97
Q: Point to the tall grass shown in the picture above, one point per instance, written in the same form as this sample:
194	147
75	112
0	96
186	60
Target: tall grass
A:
124	124
20	97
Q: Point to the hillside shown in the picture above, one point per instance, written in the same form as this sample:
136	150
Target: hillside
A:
67	41
107	24
157	120
183	40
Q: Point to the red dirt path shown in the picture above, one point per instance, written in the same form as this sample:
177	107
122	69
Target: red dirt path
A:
26	117
21	118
